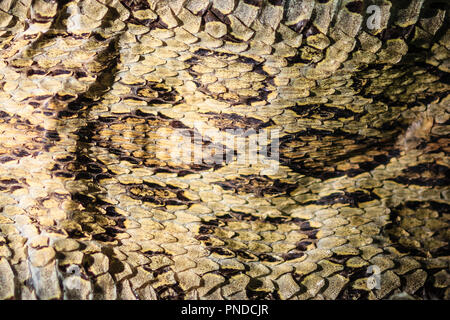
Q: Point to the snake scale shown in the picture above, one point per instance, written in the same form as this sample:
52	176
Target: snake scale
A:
92	205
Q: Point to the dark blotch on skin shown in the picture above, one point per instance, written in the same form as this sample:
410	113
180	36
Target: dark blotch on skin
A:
256	3
3	114
311	31
299	26
221	251
259	185
53	135
6	159
32	72
437	175
397	33
355	6
59	72
9	181
293	255
276	2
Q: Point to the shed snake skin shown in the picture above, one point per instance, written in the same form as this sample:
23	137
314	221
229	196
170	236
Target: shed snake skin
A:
92	205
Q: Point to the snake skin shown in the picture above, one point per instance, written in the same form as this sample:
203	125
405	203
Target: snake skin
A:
93	207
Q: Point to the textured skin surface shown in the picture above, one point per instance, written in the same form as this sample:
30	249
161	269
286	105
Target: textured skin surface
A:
91	206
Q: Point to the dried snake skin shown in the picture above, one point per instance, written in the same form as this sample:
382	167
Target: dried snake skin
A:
92	206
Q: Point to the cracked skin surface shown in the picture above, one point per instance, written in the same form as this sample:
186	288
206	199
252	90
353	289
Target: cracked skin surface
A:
92	206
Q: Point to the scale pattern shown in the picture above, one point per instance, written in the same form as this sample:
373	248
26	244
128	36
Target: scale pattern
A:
92	206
